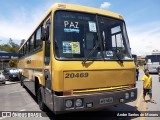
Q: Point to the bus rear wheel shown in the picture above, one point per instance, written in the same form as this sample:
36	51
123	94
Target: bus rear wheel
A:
40	99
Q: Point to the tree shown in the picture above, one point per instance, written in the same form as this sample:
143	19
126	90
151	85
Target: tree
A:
22	41
10	47
12	63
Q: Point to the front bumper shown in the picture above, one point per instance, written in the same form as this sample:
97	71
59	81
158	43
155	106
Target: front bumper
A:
13	77
94	99
153	71
2	81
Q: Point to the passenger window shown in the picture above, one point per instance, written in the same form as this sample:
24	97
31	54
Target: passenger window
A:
21	52
24	49
28	46
32	43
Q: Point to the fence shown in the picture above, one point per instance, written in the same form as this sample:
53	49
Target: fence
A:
3	65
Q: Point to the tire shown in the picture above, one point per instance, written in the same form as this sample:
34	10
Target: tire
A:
4	83
40	99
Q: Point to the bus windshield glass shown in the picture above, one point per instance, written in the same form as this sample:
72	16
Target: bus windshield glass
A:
76	34
152	58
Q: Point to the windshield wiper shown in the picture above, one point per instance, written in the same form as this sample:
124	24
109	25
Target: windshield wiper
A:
118	57
100	39
90	53
97	44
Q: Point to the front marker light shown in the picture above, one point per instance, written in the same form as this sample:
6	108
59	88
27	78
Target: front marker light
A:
126	95
79	103
132	94
69	103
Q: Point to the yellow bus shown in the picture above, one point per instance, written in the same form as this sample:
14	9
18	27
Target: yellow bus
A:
78	59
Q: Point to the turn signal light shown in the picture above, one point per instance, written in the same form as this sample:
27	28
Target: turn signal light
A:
67	93
132	85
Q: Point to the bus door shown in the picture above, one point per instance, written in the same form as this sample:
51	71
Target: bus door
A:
47	67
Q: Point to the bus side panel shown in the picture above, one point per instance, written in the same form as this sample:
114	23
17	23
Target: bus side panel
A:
28	81
32	70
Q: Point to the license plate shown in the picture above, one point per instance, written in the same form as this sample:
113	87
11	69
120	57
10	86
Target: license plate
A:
106	100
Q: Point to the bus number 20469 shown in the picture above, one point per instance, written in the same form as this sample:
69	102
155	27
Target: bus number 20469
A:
76	75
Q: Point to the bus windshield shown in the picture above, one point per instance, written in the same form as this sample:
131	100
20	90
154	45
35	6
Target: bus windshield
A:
76	34
152	58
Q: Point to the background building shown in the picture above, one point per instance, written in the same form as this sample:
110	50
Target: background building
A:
155	52
5	57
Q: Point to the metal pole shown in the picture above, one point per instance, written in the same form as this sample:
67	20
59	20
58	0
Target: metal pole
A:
2	64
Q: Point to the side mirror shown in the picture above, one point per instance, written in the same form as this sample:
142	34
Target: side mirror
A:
47	33
43	34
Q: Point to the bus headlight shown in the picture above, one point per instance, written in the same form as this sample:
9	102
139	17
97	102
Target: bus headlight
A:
69	103
126	95
132	94
79	103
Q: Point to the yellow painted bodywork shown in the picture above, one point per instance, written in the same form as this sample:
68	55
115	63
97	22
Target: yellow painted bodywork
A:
102	74
31	70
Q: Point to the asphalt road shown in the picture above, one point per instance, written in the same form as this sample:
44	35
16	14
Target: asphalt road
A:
15	98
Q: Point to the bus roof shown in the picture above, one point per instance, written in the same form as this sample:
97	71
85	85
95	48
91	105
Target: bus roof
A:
85	9
78	8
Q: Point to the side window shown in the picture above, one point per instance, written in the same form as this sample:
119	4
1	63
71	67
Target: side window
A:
117	40
20	53
24	49
32	43
113	42
115	29
38	38
28	46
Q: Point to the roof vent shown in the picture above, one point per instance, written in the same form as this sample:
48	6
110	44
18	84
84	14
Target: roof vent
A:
61	5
